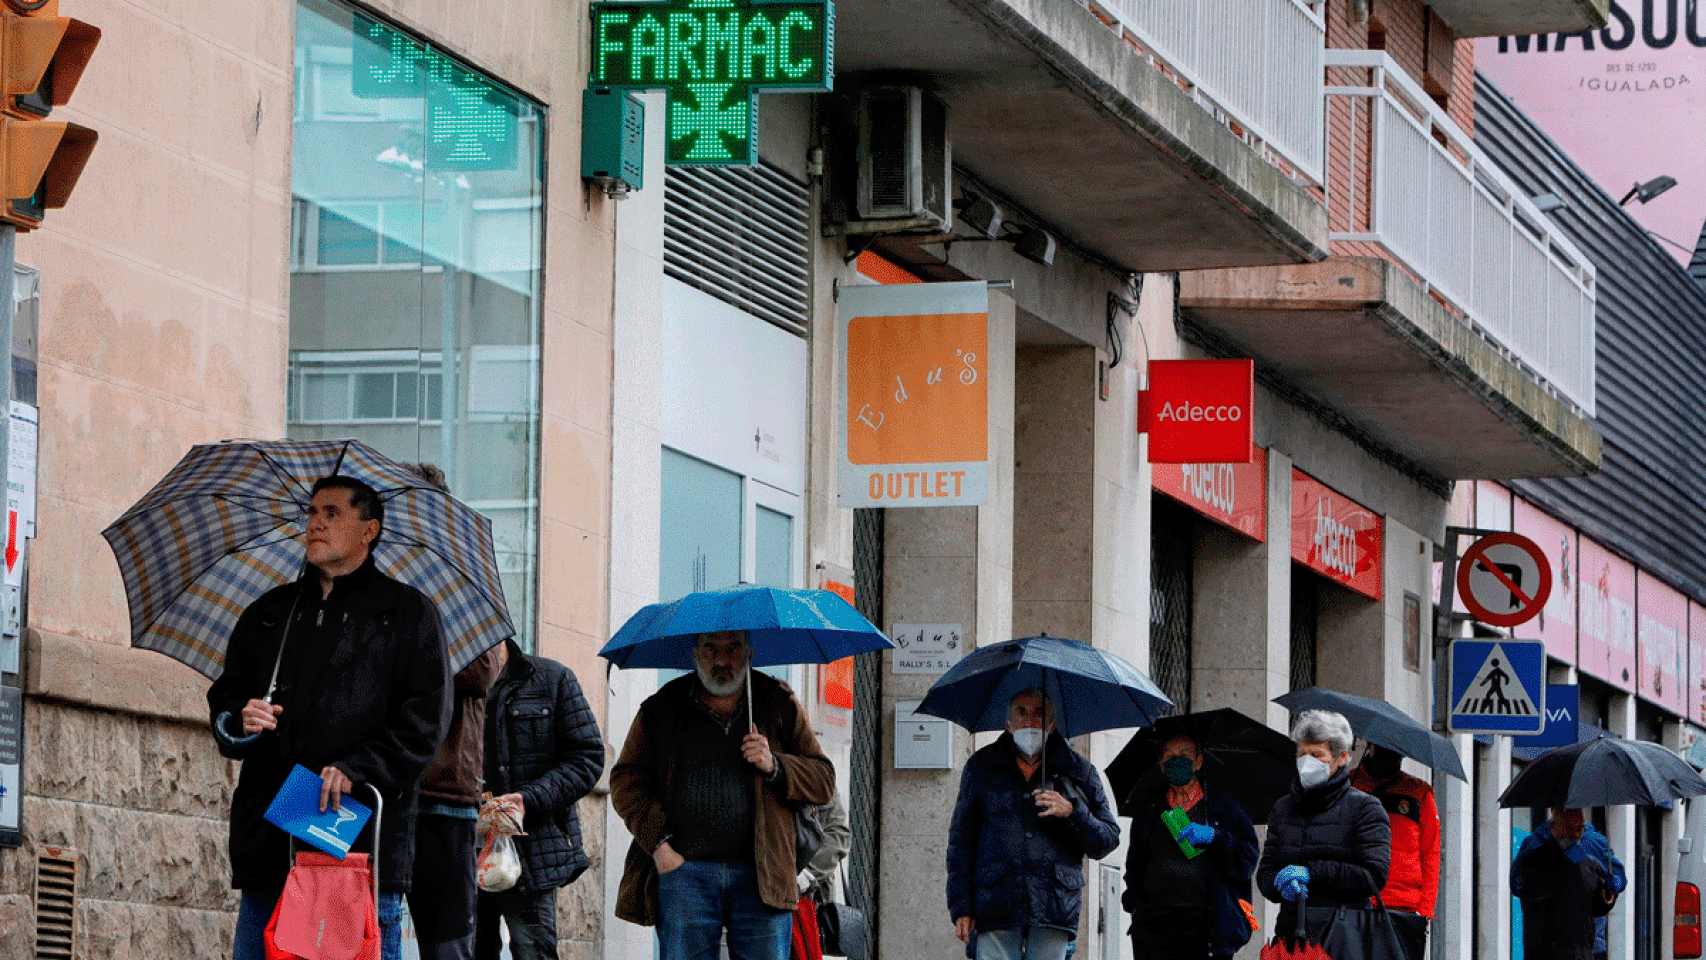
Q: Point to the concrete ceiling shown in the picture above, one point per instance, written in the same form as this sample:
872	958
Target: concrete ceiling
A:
1053	109
1361	337
1499	18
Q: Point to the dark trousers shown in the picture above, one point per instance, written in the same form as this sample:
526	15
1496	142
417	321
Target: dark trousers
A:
532	920
1170	933
442	899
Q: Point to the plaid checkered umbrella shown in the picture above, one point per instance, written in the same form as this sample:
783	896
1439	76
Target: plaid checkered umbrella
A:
225	525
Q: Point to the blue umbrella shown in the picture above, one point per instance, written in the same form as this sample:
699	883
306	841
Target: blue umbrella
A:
783	626
1088	689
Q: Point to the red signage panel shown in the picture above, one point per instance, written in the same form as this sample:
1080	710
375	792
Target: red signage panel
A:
1696	662
1607	616
1335	536
1661	636
1233	494
1198	411
1557	622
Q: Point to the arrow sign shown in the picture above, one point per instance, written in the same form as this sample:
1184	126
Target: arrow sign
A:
1504	579
12	552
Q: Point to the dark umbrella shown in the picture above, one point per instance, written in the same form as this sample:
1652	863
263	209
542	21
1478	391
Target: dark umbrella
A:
1088	689
1247	761
1602	772
1381	723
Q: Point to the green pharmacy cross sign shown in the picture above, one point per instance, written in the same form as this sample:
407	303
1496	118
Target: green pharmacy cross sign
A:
712	57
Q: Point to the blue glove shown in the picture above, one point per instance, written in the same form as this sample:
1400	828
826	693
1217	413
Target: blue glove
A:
1615	883
1294	890
1576	851
1197	834
1293	872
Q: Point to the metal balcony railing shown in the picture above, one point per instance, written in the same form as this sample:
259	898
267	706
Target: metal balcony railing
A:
1407	177
1256	63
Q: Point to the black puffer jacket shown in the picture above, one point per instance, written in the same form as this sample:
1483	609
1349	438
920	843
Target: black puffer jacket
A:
542	742
1339	833
365	687
1007	867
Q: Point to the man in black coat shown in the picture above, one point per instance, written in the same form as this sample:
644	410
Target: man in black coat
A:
1329	844
1030	809
361	696
543	749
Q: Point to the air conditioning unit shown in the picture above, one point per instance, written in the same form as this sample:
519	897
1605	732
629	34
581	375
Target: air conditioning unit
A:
904	156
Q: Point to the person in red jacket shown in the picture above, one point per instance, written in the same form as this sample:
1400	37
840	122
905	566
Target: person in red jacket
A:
1413	884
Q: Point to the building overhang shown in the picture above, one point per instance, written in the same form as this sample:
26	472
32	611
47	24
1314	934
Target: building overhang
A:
1500	18
1054	110
1364	338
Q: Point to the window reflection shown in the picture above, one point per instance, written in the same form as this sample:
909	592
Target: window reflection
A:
415	255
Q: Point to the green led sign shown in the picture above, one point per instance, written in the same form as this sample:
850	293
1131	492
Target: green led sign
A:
470	123
712	57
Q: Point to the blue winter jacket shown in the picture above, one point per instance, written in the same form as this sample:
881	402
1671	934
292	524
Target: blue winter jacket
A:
1009	868
1597	847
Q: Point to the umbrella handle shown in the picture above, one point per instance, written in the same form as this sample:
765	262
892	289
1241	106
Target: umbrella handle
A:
242	741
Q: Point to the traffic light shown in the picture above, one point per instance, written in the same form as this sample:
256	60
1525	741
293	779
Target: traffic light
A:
42	56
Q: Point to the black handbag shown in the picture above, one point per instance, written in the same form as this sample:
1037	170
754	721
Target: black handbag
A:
841	928
808	836
1357	933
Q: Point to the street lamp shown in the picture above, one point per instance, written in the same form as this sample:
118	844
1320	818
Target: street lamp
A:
1647	191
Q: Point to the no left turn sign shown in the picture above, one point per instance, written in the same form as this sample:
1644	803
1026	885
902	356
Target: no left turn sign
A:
1504	579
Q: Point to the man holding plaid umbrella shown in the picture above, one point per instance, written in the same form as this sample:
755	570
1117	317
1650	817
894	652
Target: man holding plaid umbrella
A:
359	694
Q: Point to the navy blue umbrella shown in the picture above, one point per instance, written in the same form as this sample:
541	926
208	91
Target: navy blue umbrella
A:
1382	723
1602	772
1088	689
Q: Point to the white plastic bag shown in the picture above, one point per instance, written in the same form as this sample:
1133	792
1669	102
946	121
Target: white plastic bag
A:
500	865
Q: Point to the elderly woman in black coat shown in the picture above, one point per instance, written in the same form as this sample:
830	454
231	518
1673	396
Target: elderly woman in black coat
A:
1329	844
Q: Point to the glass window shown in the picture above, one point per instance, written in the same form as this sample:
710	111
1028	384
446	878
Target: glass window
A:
416	248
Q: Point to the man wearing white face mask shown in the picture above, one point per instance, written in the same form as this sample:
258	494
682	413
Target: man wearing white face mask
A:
1329	844
1030	810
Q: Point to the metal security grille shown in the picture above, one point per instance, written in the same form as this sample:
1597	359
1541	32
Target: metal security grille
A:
1171	535
864	805
56	906
1304	635
740	234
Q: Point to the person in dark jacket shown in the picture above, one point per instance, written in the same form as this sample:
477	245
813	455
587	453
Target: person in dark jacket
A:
543	749
443	911
361	696
1567	878
1329	844
1030	809
1186	907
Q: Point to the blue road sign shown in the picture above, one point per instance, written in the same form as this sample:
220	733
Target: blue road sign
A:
1498	686
1562	700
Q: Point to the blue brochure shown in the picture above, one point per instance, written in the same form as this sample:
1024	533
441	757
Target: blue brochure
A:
296	811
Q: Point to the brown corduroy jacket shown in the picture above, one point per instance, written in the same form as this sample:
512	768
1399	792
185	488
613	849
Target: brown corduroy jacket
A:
645	775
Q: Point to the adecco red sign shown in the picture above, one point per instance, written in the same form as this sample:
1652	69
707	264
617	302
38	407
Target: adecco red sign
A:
1335	536
1235	494
1198	411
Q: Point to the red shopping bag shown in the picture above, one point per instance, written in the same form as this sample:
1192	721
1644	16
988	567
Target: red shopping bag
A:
326	912
806	944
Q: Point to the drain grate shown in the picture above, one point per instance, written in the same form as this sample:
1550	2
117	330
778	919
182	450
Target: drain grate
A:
56	905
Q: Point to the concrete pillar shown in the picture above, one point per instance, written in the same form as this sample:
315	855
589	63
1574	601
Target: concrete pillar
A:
1454	910
1053	490
1675	736
1493	851
1620	830
941	565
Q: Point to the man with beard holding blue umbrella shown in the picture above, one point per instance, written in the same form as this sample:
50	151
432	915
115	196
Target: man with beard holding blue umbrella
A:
708	782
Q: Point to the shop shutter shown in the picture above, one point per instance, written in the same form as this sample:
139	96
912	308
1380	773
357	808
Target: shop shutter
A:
1304	633
1172	536
864	807
740	234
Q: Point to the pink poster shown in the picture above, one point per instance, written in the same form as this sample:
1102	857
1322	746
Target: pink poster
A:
1627	103
1556	624
1607	611
1492	506
1662	625
1697	662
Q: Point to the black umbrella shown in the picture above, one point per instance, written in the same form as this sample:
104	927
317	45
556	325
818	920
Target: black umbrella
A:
1604	771
1247	761
1381	723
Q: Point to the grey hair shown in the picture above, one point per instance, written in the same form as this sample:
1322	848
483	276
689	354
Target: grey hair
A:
1323	726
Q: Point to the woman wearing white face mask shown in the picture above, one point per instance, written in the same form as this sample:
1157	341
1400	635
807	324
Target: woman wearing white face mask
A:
1329	844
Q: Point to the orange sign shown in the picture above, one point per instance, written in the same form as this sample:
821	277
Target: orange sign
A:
1334	535
915	361
835	680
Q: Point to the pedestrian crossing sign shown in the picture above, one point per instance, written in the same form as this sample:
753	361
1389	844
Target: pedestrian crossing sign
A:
1498	686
